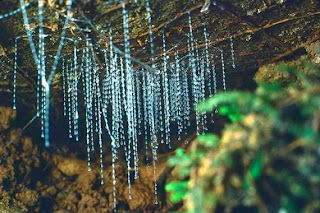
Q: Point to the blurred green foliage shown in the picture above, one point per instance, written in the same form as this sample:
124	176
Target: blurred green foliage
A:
266	159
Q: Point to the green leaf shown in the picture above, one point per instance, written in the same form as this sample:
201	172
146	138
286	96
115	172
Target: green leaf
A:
298	190
179	152
235	117
287	69
178	190
220	99
246	183
225	110
181	159
256	166
176	186
209	140
184	172
177	196
232	112
288	204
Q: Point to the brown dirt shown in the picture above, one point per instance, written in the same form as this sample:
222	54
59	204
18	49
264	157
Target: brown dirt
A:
37	180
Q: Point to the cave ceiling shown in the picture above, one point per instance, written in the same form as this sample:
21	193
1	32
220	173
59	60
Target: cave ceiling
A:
262	31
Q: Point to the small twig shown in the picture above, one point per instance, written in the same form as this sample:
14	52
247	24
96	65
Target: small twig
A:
22	74
20	132
109	10
249	31
294	49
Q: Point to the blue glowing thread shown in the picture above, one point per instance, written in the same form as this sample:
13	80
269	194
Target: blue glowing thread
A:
64	87
69	92
14	12
15	73
88	101
232	53
75	94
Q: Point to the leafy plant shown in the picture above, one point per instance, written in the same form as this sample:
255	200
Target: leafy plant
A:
266	158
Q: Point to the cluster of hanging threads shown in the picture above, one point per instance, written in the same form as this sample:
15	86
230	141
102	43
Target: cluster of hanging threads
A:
148	106
39	61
